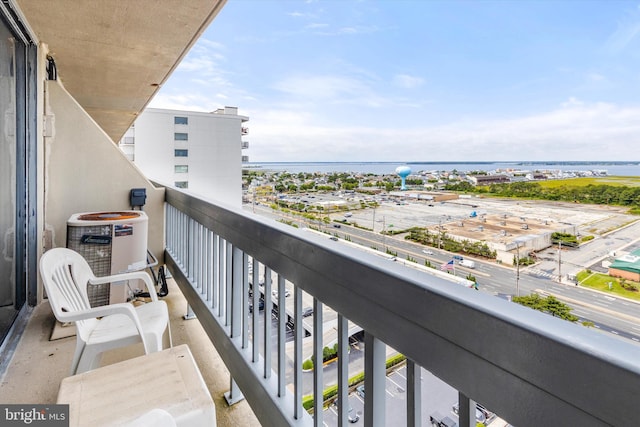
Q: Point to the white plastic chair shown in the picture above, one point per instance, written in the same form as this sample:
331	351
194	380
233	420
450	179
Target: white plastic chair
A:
66	275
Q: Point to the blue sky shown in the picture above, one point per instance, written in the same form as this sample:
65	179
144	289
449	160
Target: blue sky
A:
421	80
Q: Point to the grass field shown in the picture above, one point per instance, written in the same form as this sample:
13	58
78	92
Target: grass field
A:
601	282
628	181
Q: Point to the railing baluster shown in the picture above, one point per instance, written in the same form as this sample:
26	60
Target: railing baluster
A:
297	357
267	323
318	383
190	250
255	341
414	395
228	306
374	381
466	411
197	256
209	267
217	267
222	277
282	339
343	370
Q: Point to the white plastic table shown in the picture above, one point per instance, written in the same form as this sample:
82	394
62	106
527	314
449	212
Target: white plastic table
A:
120	393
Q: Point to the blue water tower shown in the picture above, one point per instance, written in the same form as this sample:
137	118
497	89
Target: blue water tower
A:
403	172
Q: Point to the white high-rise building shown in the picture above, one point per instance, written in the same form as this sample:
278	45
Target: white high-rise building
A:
200	152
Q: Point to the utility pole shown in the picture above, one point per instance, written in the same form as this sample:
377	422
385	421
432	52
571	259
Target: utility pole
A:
518	269
559	261
373	221
384	236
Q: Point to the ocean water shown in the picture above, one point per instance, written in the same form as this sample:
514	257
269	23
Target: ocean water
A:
380	168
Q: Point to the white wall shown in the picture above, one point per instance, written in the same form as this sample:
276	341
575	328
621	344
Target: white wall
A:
84	171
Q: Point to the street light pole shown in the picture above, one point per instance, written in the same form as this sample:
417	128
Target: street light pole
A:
517	268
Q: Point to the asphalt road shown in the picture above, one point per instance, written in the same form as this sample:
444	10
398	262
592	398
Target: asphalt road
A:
609	313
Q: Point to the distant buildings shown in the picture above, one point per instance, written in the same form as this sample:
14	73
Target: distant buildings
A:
201	152
488	179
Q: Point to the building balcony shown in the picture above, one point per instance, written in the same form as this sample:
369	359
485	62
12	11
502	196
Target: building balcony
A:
244	131
527	367
245	159
244	145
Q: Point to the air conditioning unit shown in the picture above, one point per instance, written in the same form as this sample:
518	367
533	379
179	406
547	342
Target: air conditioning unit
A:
111	242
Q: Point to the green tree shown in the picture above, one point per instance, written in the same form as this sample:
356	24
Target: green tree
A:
549	304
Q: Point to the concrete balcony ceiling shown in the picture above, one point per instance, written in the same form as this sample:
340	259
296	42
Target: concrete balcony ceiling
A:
113	56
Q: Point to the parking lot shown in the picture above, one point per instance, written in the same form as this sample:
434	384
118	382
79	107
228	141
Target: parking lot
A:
437	398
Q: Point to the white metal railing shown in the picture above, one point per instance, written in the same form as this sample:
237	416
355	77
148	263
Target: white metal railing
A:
528	367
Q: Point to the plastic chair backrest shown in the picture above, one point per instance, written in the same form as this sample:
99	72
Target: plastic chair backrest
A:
65	274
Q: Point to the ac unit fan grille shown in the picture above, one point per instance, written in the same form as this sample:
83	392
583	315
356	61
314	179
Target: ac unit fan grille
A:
97	255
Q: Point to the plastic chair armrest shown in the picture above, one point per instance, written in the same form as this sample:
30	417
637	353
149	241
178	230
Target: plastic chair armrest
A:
123	308
142	275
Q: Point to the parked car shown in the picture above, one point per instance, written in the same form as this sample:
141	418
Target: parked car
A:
307	311
353	416
438	420
427	251
275	293
360	390
481	412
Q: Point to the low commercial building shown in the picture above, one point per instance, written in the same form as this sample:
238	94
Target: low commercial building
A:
627	266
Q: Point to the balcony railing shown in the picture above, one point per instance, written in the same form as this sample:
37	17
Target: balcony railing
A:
528	367
244	144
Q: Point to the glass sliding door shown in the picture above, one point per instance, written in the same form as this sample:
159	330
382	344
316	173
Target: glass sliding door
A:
17	164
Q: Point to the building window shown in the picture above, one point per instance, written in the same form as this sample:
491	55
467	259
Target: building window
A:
181	136
181	168
182	184
181	153
181	120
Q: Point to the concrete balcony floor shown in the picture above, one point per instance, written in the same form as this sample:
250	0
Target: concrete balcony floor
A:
39	364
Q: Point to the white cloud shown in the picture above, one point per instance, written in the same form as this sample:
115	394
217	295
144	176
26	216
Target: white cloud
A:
350	30
316	25
573	131
408	82
596	77
330	90
626	32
